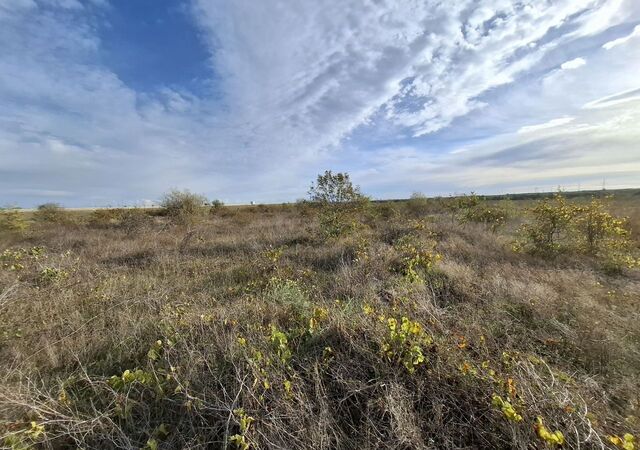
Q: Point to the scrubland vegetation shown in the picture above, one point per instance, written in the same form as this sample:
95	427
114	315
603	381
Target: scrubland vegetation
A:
331	323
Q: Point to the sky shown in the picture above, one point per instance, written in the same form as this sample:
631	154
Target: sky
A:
114	102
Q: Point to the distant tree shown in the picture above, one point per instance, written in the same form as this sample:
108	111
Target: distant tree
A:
216	204
342	203
335	188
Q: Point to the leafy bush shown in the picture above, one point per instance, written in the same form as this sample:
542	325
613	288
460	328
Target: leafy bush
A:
335	189
597	230
417	260
287	293
183	206
337	223
418	204
12	219
549	231
386	210
51	213
105	217
341	202
492	217
50	275
559	225
406	343
459	204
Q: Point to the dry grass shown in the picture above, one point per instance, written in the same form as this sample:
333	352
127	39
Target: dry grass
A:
256	310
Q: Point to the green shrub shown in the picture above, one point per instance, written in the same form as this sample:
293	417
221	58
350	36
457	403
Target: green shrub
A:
417	259
457	206
105	217
337	223
51	213
561	226
386	210
418	204
341	202
597	230
183	206
492	217
548	233
51	275
12	219
288	294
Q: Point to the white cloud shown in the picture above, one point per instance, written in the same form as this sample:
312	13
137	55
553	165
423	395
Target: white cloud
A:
631	95
573	64
314	72
298	83
543	126
623	40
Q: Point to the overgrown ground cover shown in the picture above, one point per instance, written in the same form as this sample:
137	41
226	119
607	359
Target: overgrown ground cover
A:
418	324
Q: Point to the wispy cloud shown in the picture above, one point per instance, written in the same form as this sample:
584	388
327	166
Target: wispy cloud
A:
543	126
573	64
632	95
623	40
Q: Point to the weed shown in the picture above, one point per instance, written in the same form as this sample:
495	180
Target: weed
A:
506	407
626	442
552	438
416	260
51	275
406	343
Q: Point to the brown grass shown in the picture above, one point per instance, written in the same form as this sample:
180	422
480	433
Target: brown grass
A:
557	338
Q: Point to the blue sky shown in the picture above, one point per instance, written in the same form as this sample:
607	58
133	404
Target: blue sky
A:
112	102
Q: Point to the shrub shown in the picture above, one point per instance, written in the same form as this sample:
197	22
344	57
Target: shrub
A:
133	220
597	230
51	213
457	205
303	206
418	204
183	206
288	294
548	232
336	223
105	217
386	210
12	219
491	217
558	225
599	233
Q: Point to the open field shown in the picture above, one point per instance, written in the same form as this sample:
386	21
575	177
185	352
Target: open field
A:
264	327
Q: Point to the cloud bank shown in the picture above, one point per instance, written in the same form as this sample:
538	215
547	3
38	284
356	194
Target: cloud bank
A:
411	95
